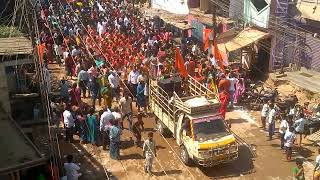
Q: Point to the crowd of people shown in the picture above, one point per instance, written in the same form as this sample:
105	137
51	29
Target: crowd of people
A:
110	51
292	129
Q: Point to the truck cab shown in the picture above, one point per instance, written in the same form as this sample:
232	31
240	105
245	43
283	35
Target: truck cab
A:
206	140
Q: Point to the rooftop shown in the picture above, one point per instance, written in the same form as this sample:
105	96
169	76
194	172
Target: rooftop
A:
17	151
15	46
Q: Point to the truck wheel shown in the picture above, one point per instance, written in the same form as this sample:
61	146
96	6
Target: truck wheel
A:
185	156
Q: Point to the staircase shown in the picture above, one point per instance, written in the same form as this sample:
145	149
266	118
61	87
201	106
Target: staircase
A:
281	13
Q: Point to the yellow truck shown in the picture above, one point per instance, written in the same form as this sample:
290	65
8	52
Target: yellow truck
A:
190	112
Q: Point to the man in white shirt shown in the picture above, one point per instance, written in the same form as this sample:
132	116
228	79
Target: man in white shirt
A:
133	80
114	82
68	123
105	124
264	114
289	138
117	116
284	127
213	60
126	109
299	126
271	120
71	169
75	52
149	151
126	21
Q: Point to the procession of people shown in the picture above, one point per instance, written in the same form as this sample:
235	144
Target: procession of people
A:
109	52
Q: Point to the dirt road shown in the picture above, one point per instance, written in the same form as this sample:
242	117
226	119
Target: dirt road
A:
258	158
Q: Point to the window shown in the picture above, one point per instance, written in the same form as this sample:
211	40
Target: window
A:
259	4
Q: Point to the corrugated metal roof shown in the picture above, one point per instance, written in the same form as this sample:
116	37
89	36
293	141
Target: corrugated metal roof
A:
309	9
15	46
244	38
314	45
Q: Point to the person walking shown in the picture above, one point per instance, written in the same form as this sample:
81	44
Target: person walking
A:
114	82
149	151
69	123
105	123
106	96
224	99
284	127
232	88
114	135
299	126
83	79
264	114
71	169
133	80
137	128
83	129
289	139
64	90
271	120
92	125
75	94
95	92
117	116
298	171
126	109
141	99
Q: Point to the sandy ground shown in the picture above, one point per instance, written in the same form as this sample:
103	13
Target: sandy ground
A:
258	159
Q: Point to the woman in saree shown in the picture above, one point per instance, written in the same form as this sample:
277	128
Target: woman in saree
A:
141	98
75	94
92	126
240	89
106	95
114	135
224	99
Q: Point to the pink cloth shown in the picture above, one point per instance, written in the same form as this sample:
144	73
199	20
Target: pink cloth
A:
240	89
93	71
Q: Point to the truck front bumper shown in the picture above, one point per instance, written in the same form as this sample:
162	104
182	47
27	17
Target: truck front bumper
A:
209	162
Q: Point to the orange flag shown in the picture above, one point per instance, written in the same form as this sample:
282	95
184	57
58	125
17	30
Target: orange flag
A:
217	55
41	48
179	64
206	35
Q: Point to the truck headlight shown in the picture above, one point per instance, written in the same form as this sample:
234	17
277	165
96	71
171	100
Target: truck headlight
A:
233	148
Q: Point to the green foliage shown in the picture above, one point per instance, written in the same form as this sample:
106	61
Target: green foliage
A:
6	30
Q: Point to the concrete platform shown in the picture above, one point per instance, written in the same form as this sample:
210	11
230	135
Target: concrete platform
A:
305	79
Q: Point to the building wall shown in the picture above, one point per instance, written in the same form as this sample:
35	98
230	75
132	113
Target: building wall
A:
312	55
236	9
253	16
172	6
197	31
4	95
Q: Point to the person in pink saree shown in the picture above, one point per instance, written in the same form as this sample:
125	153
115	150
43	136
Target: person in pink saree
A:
240	89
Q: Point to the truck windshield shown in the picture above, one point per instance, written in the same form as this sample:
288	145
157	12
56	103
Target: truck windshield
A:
209	129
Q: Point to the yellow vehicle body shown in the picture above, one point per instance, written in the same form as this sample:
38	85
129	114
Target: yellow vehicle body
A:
181	120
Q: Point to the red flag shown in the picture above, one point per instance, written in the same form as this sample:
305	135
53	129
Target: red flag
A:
179	64
41	48
206	35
